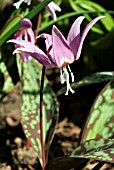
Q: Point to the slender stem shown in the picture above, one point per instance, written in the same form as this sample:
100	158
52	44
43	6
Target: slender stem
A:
38	23
41	119
41	102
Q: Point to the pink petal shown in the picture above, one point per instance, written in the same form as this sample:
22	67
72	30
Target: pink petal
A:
61	51
52	7
74	34
48	40
25	44
25	57
31	36
86	30
32	50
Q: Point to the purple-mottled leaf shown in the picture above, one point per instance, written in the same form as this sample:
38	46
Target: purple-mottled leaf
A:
65	163
100	122
6	83
96	149
30	109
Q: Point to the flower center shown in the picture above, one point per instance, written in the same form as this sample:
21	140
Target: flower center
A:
64	76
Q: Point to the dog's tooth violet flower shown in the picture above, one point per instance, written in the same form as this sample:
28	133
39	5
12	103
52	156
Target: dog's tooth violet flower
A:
51	8
24	33
62	52
17	4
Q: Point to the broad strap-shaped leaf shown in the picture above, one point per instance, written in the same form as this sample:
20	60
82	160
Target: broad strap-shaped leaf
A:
65	163
93	78
97	149
100	123
31	79
6	84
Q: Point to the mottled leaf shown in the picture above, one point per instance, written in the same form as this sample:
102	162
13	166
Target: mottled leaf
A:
31	76
100	122
98	149
93	78
6	84
64	163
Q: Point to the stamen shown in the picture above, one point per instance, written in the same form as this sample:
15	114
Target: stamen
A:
64	76
72	75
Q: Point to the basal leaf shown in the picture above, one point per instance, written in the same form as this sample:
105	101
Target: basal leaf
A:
65	163
6	84
31	79
97	149
100	123
93	78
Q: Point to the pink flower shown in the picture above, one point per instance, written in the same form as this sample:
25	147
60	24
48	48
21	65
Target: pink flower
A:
62	52
51	8
24	33
17	4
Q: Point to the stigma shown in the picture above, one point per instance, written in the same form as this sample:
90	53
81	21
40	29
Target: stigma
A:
65	72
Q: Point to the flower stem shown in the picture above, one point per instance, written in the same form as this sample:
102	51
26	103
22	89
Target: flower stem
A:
38	23
41	120
41	101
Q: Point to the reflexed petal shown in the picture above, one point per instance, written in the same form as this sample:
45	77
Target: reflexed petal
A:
86	30
31	37
25	44
52	7
33	51
74	34
61	51
25	57
48	40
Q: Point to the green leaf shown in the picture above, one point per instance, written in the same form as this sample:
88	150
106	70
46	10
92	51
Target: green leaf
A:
97	149
93	78
108	22
10	29
100	122
104	42
64	163
31	107
6	81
